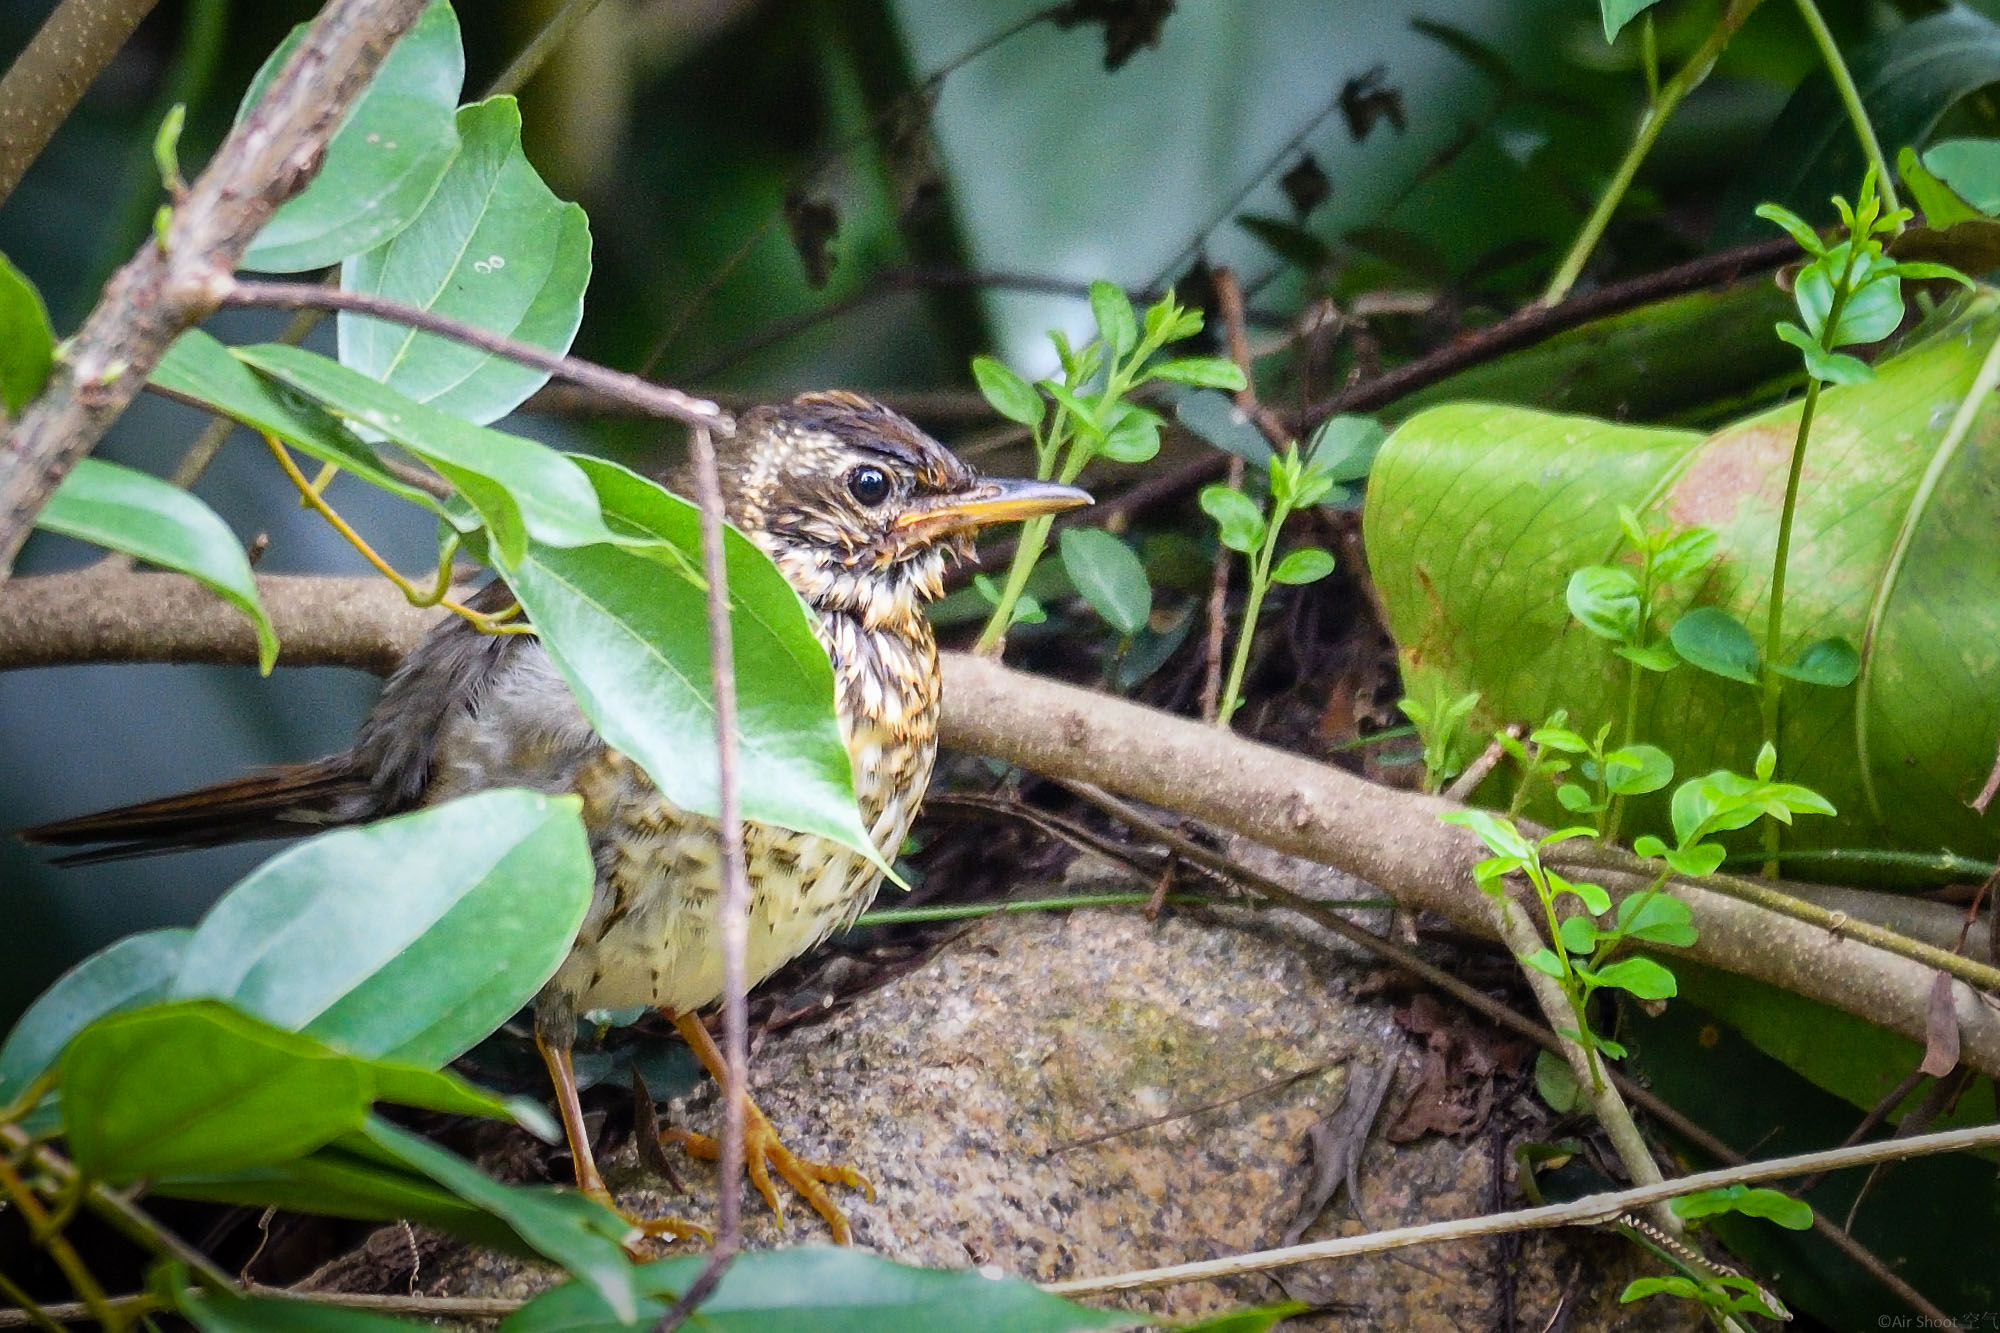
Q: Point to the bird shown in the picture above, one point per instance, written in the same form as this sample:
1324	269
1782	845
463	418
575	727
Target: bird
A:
862	512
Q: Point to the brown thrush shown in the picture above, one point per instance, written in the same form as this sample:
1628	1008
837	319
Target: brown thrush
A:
861	510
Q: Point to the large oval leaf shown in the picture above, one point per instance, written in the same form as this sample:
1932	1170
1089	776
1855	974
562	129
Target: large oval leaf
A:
1477	516
408	939
493	248
27	343
520	488
386	161
818	1289
162	524
134	971
198	1087
628	630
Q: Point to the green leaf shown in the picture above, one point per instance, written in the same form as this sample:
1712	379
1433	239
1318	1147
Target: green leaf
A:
1579	934
820	1289
1308	564
630	637
408	939
1605	600
521	489
1637	769
1216	418
27	343
1109	577
1832	662
1288	240
1544	961
201	370
1556	1083
163	525
1203	372
1970	168
1236	514
1081	414
1011	396
1701	859
1828	367
1343	448
219	1312
1113	312
1936	200
1714	640
1639	976
578	1233
1577	800
1134	436
198	1087
136	970
1641	1287
1496	832
385	163
1799	229
1618	13
1257	1319
1874	306
1751	1201
493	247
1656	918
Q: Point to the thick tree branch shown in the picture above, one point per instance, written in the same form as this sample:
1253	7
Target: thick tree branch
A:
1390	838
175	280
49	77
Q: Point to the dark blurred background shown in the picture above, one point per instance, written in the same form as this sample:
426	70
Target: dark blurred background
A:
967	167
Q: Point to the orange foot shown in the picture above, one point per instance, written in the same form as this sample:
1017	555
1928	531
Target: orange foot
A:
763	1152
650	1228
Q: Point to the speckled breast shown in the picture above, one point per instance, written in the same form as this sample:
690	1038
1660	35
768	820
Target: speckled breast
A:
650	937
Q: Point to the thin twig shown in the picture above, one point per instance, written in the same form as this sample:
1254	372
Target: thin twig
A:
1229	296
540	47
733	907
1589	1210
655	399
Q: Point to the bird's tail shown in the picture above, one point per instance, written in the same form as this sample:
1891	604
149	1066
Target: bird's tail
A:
286	802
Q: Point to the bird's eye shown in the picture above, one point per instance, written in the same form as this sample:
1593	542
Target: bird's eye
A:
869	485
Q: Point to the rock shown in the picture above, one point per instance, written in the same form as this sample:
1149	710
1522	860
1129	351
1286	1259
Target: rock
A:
992	1096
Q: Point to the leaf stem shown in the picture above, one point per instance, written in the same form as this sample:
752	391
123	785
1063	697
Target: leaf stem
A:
1685	80
1260	584
49	1237
1850	98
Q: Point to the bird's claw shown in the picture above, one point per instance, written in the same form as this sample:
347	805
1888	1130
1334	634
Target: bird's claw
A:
763	1152
651	1228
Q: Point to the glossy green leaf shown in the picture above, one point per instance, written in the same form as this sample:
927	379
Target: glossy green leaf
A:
1544	960
1579	934
1081	413
200	370
160	523
1832	662
386	161
1236	514
582	1235
218	1312
199	1087
1113	312
136	970
1716	641
1308	564
1258	1319
408	939
1108	576
1203	372
1828	367
1605	600
1134	436
520	488
1874	305
1011	396
1908	78
1971	169
493	247
1751	1201
1617	13
818	1289
629	634
1638	976
1477	515
27	343
1636	770
1656	918
1939	204
1343	449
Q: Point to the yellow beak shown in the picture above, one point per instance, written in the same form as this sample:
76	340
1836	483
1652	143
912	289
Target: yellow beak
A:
996	500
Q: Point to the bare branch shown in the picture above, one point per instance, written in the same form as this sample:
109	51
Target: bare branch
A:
175	280
642	395
1389	838
49	77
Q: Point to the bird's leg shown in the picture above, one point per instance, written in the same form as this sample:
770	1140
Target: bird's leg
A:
762	1149
554	1039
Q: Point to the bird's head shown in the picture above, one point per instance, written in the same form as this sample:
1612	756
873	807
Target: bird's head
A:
860	508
